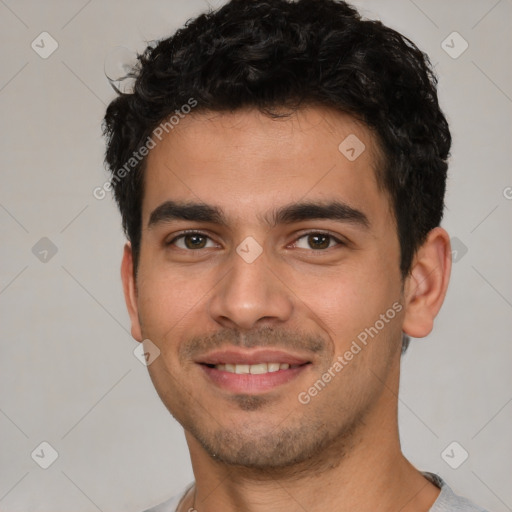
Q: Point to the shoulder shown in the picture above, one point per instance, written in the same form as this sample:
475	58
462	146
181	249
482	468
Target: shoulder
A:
171	504
448	501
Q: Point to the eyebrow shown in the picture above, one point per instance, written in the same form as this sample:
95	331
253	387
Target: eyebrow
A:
197	212
334	210
288	214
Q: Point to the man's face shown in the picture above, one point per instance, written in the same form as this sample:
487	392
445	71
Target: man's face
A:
293	255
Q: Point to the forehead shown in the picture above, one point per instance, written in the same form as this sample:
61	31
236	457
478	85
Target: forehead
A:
246	162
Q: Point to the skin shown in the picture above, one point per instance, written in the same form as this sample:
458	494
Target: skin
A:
267	451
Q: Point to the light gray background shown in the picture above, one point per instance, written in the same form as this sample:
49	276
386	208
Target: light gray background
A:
67	372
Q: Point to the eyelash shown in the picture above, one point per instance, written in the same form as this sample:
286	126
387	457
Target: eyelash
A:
303	235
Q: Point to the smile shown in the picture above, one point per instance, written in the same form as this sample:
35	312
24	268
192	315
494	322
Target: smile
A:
253	369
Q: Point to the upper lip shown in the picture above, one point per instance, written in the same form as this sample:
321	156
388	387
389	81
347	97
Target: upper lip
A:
234	356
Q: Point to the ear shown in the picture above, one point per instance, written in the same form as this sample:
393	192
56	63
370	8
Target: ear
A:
426	284
130	291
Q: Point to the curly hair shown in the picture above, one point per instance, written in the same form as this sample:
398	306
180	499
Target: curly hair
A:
275	55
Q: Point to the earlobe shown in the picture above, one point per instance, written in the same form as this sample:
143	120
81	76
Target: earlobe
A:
130	291
426	285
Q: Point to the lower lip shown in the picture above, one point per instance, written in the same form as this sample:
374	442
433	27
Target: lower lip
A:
249	383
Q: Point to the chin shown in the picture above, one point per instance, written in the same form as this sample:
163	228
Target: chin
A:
279	449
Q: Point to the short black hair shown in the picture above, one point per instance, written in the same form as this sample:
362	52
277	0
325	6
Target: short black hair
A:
275	55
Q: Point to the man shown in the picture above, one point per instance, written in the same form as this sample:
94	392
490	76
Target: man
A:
280	169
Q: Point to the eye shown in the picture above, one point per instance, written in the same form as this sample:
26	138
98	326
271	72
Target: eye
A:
192	241
317	241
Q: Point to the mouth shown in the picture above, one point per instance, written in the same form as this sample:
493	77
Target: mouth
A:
253	369
252	372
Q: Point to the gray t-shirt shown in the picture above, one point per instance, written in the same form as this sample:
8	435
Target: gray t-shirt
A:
447	501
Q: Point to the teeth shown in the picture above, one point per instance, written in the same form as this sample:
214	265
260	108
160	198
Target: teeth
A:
273	367
254	369
257	369
242	368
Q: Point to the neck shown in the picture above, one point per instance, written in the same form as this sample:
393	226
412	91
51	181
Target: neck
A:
364	471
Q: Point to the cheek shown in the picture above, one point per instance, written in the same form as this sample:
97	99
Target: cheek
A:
355	301
169	307
169	300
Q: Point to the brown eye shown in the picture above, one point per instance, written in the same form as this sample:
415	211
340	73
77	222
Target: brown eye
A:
317	241
192	241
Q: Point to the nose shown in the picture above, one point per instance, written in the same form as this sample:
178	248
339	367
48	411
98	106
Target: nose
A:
250	295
